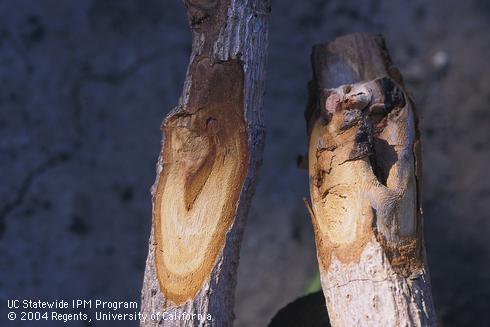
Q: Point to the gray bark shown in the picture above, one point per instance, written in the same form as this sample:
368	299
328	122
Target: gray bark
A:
223	31
365	185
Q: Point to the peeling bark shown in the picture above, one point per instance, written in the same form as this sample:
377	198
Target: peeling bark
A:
364	167
206	172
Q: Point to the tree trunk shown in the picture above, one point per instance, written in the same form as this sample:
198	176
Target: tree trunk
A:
365	175
206	171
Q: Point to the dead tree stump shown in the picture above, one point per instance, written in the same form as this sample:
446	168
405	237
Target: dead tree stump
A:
365	187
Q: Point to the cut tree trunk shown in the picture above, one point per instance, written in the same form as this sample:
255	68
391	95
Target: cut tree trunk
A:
211	152
365	187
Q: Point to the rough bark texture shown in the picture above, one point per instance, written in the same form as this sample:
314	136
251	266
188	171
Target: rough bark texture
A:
206	172
365	173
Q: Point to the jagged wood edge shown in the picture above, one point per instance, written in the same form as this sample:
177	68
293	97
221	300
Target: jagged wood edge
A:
355	58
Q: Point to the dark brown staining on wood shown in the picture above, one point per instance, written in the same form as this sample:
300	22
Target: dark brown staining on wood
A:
405	256
204	14
370	119
213	82
393	95
359	113
205	140
198	18
351	118
363	144
319	176
212	119
343	62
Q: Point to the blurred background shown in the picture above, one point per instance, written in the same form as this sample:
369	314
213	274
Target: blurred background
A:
85	85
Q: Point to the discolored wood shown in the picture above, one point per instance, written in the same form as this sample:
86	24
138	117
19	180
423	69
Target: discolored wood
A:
364	167
211	152
205	163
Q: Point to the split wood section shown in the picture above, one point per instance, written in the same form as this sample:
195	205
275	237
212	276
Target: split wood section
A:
211	152
365	186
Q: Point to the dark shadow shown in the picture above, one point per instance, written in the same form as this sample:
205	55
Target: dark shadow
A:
307	311
383	159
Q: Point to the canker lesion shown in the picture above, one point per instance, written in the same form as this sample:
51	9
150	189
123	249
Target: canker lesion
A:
362	178
205	159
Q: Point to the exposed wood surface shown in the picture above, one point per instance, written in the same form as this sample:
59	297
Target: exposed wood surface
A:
365	172
211	152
